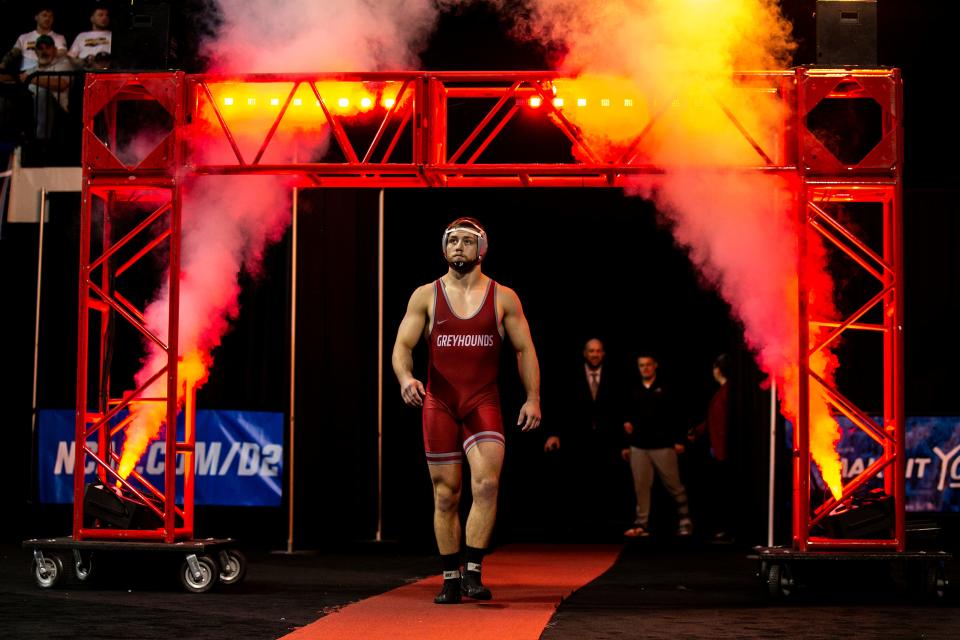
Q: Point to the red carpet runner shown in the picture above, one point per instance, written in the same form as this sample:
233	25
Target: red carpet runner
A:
528	583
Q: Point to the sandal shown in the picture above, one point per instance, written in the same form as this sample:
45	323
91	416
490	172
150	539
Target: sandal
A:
637	531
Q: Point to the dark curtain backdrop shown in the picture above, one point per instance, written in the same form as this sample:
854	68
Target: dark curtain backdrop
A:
584	263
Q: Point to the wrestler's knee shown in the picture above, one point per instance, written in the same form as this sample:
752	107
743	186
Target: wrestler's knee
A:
485	487
445	497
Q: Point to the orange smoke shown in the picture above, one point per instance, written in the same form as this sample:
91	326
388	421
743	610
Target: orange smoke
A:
611	111
150	416
227	222
656	84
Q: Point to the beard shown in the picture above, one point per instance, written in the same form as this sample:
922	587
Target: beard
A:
462	265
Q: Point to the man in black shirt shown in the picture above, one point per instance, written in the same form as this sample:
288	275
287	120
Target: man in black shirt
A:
655	436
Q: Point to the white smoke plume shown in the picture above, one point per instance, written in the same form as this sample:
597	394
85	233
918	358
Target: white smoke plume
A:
331	35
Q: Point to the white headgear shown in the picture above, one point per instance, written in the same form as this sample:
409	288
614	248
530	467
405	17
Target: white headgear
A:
471	226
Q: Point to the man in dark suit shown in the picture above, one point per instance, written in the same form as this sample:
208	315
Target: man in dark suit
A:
588	439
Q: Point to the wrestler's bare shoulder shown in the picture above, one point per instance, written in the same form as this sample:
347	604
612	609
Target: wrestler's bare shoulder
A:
507	297
422	297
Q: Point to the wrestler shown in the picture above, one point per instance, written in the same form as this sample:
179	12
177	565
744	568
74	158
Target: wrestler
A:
464	316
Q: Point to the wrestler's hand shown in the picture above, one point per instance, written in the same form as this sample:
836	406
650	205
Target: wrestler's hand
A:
625	454
413	392
552	444
529	415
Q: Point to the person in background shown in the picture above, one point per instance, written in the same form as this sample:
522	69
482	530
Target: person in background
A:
714	430
91	48
655	435
587	439
25	46
51	93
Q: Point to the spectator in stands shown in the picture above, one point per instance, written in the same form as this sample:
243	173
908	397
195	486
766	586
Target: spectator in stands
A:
50	89
90	49
25	46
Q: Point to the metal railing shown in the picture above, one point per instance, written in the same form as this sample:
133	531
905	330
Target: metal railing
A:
42	111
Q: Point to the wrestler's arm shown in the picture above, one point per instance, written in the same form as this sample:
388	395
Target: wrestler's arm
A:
411	328
516	327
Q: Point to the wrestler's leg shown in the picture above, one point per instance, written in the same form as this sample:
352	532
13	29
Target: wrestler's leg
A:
485	460
441	435
446	506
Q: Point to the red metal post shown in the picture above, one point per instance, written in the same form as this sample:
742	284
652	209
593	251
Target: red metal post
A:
894	366
437	126
173	335
188	450
801	430
83	323
103	441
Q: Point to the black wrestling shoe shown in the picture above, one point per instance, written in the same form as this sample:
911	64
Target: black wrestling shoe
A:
449	594
471	587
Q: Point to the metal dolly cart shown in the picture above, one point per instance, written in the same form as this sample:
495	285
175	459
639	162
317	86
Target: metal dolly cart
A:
782	569
200	564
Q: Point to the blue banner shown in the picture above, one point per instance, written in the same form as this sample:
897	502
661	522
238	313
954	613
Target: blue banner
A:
238	458
932	457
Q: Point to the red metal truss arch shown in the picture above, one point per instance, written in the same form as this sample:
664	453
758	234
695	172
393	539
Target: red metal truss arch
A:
407	141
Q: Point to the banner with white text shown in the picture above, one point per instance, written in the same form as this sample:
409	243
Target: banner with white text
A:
238	458
932	458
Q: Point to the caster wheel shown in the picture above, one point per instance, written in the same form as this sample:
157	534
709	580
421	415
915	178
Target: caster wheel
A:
201	578
47	570
779	581
233	567
935	582
764	568
82	566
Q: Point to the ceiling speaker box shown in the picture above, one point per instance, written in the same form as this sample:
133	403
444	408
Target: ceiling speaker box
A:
847	33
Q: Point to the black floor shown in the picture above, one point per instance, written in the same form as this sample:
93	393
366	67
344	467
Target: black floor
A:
676	591
140	597
657	589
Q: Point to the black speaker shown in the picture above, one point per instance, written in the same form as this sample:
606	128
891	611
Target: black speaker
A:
868	515
847	33
143	42
104	506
